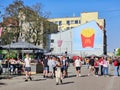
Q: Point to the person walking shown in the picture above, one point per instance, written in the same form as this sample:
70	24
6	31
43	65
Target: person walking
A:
45	67
91	68
101	65
96	66
78	66
54	65
27	67
64	66
50	65
105	66
116	67
58	73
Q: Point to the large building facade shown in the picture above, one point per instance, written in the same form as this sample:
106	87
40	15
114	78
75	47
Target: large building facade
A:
69	38
68	23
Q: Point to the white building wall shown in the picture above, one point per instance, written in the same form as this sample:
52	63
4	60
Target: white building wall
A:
66	38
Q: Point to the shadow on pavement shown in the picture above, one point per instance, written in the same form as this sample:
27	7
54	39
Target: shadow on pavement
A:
38	79
84	76
2	83
71	76
75	76
67	82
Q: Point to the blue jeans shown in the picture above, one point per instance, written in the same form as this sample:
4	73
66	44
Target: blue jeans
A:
87	64
116	72
105	70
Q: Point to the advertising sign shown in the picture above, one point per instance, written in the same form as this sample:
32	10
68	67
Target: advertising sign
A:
87	37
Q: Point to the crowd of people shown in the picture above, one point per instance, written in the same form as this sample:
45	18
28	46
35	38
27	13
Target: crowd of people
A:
97	66
57	66
101	66
14	66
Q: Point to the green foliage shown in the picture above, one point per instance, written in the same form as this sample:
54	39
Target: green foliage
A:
118	52
34	17
3	51
11	54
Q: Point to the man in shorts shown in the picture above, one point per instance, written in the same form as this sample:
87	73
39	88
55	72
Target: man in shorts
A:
27	67
91	63
78	66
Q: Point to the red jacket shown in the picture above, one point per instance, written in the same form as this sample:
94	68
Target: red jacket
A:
115	62
96	64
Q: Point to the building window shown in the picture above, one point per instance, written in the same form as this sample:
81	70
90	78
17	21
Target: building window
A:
60	23
79	21
72	21
68	22
68	28
52	40
56	22
59	28
76	21
51	49
38	42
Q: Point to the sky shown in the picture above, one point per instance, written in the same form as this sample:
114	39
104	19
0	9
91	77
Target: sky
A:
107	9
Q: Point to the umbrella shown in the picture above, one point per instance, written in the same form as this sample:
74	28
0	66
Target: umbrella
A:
21	45
75	57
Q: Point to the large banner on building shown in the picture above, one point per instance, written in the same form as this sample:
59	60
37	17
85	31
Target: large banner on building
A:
88	36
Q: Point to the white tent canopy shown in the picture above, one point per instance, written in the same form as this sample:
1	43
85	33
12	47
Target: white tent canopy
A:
21	46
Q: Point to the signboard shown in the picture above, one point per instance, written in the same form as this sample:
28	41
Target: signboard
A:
87	37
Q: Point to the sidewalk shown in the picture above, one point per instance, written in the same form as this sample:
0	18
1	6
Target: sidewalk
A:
70	83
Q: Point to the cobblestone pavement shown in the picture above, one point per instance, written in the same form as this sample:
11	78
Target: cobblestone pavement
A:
71	83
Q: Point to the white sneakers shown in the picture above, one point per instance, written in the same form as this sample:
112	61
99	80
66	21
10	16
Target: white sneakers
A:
80	75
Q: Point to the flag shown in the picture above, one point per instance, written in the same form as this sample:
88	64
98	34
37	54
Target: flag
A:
1	31
59	43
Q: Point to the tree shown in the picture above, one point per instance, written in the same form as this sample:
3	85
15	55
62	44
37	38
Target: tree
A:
38	27
118	52
30	23
11	22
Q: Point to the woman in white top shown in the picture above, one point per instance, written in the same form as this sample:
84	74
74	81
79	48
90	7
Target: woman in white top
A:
78	65
50	64
105	66
28	67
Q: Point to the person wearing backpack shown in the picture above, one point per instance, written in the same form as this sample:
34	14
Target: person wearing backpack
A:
116	67
64	66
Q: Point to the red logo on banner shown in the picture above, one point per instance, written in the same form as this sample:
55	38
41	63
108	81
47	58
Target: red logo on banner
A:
59	43
87	37
87	41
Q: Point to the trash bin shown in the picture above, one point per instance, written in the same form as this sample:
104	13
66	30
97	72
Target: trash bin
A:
39	68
